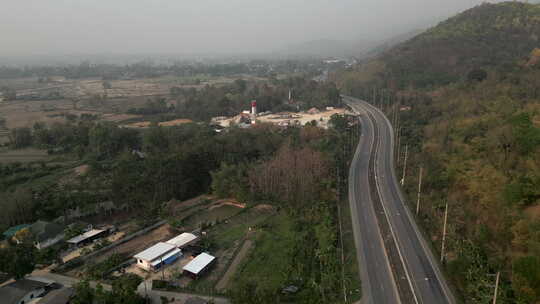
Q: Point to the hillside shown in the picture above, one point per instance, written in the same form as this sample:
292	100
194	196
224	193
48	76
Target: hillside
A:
473	87
486	36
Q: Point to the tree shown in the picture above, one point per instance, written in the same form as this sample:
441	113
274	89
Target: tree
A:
477	75
21	137
230	181
17	260
84	294
8	93
338	122
106	85
241	85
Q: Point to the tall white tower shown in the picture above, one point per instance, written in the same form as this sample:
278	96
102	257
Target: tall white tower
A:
254	108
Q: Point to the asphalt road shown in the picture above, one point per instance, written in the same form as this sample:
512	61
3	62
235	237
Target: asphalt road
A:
396	264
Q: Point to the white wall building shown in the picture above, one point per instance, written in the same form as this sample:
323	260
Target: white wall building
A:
199	265
158	255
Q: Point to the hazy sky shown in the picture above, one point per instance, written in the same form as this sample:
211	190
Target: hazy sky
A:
210	26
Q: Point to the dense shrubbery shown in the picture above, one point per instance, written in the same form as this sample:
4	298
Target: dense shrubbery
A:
124	291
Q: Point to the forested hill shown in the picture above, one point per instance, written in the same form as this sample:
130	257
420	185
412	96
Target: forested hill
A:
472	122
490	36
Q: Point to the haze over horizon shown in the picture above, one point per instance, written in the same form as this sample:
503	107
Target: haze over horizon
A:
37	27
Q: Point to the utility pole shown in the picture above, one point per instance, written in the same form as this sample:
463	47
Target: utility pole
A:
444	232
383	103
419	190
496	288
405	164
398	145
397	127
162	269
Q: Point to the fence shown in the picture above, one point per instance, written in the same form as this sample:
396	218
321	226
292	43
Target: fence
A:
80	260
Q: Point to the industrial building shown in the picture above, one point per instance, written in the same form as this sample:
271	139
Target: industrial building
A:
183	240
158	255
199	265
87	237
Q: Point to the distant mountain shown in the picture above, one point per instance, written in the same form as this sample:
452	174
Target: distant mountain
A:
344	48
328	48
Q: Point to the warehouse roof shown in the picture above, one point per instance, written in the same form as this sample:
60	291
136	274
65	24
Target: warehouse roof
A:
182	239
155	251
88	234
199	263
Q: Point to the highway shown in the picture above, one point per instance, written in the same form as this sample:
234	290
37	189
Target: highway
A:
396	263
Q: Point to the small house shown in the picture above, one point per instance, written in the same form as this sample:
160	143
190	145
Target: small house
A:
8	234
199	265
158	255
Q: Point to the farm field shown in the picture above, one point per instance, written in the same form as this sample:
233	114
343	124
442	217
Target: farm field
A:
170	123
23	155
88	96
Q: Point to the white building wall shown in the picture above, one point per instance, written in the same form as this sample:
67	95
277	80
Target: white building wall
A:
144	264
50	242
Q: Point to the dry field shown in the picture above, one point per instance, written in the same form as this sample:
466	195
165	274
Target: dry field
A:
123	95
23	155
140	243
146	124
84	88
25	113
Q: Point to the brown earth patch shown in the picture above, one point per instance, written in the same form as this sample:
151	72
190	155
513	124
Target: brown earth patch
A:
171	123
533	212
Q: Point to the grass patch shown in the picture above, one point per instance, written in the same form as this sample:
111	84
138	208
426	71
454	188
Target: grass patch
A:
23	155
211	216
267	264
228	232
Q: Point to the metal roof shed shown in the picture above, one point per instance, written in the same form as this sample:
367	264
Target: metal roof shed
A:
200	263
183	239
82	237
155	251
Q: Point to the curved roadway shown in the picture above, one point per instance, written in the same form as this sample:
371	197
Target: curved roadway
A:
396	264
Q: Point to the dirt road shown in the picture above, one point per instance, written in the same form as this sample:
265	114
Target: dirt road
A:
222	284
